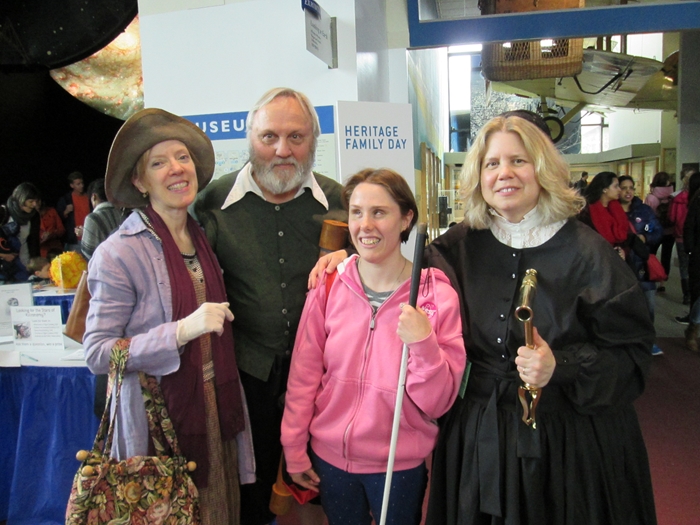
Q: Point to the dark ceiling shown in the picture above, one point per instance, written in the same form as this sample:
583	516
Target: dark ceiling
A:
41	35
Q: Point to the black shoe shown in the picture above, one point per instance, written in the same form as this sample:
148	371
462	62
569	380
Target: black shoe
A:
683	320
661	289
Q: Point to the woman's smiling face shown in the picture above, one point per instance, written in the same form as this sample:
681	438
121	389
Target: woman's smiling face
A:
375	222
170	176
508	180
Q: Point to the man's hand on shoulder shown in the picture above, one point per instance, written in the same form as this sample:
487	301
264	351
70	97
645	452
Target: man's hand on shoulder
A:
328	264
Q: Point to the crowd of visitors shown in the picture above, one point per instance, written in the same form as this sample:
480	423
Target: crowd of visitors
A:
32	229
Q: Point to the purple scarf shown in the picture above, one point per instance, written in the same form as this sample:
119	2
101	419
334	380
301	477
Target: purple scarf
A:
183	390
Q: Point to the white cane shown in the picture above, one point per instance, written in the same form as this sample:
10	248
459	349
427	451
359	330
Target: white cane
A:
413	297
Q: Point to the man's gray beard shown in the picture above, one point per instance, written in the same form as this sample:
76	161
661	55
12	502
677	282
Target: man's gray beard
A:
267	179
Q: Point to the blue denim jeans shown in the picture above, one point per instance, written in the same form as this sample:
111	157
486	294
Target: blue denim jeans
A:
650	296
348	499
695	312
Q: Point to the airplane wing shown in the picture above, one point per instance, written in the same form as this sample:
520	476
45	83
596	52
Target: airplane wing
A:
607	80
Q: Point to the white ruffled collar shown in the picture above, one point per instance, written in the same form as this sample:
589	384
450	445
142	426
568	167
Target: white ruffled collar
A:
527	233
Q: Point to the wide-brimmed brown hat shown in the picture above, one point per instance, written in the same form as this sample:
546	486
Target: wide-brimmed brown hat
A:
141	132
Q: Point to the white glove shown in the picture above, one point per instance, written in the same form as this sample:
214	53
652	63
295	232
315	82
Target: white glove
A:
209	317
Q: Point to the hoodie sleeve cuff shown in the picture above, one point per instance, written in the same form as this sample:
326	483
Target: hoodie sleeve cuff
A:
297	459
426	351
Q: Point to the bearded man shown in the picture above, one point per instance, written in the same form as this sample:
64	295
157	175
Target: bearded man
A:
264	223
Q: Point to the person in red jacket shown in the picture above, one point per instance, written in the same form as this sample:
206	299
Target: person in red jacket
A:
73	207
677	214
604	212
51	231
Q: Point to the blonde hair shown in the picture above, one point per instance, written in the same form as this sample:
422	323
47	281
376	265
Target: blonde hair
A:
557	200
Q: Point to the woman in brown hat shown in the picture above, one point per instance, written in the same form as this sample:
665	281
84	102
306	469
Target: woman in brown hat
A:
157	282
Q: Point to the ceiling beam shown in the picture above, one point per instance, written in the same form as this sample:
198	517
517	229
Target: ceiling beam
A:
584	22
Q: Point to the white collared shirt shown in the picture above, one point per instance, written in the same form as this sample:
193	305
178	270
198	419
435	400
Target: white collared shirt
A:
527	233
245	183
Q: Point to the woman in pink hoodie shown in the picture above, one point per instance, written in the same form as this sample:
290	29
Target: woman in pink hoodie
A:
342	386
659	199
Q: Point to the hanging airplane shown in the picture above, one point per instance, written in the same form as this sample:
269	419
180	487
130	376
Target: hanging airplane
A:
606	80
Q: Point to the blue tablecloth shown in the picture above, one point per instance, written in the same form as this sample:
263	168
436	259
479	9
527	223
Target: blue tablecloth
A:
64	301
45	418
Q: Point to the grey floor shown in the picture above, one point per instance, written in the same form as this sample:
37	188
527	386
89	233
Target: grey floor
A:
669	304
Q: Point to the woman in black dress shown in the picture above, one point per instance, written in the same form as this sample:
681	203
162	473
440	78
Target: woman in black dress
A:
585	460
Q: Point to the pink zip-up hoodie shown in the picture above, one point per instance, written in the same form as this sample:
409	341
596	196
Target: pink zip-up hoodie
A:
344	375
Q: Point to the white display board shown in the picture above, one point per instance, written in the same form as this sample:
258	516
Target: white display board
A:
223	57
37	327
376	135
228	135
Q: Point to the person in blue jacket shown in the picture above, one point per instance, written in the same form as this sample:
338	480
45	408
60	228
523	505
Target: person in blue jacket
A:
649	231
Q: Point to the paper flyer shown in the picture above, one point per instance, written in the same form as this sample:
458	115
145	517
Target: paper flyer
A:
9	358
37	327
12	295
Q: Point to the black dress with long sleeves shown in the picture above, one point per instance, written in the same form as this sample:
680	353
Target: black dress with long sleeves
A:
586	462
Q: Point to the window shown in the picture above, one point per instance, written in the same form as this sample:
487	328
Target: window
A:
594	133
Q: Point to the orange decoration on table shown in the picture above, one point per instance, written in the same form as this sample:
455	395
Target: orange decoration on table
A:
66	269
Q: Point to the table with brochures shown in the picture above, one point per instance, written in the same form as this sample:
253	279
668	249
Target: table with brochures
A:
54	296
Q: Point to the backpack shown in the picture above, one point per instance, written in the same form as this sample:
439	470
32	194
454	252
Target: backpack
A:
663	212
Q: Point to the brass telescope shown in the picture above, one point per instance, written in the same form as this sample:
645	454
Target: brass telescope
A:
334	236
524	314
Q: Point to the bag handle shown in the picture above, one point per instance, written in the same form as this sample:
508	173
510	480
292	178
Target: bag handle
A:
159	422
117	364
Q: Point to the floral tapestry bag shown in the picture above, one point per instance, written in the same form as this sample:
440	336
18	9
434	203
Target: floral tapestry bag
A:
142	489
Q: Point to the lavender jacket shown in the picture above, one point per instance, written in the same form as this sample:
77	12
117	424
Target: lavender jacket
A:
132	297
